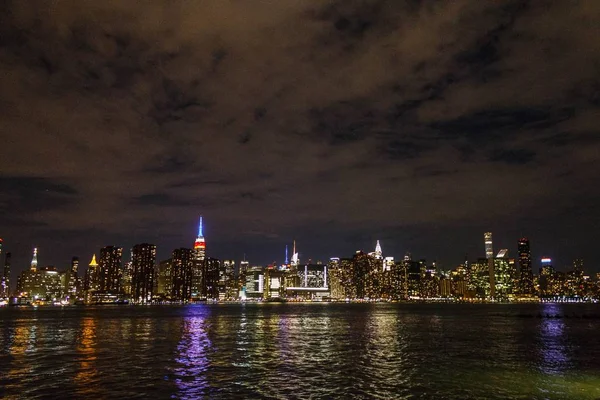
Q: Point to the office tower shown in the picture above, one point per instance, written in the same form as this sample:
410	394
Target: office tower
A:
198	264
142	280
503	276
525	267
164	279
227	285
183	263
546	277
489	248
40	284
5	285
91	285
34	259
71	278
126	276
110	269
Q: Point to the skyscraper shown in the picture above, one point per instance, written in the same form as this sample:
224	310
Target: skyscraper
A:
142	280
489	248
71	278
198	264
92	279
525	267
5	284
182	261
110	269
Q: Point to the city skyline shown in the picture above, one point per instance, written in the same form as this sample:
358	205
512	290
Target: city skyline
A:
489	248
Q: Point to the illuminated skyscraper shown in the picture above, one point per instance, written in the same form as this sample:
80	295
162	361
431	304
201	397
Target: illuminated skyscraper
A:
200	244
34	260
5	284
489	248
142	280
91	284
525	267
198	264
71	277
110	269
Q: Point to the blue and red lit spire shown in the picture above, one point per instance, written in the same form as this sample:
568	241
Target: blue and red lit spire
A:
200	244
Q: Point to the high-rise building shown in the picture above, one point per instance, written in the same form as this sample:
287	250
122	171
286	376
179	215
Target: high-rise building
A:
198	284
92	280
547	278
71	278
489	248
5	284
525	267
183	263
227	285
164	279
110	269
142	280
210	273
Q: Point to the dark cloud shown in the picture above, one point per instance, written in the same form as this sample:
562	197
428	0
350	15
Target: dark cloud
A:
422	123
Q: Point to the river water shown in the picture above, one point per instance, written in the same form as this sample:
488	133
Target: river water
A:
301	351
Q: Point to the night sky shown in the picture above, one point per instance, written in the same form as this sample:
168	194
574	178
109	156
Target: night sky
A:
419	123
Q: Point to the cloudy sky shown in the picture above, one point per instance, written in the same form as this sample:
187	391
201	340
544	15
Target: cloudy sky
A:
337	123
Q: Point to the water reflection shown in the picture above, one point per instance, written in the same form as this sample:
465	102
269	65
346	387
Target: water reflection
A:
555	359
192	358
86	377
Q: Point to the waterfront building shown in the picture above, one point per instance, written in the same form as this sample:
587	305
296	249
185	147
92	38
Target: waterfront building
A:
210	272
254	285
5	284
183	266
525	268
547	273
227	285
274	285
310	281
71	279
92	280
164	279
504	274
142	280
110	270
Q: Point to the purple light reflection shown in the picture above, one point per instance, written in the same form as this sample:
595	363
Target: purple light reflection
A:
192	358
554	352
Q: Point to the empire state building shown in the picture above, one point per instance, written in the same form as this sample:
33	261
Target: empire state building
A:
200	244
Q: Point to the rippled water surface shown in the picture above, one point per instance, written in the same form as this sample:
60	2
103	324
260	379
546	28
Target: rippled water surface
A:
416	351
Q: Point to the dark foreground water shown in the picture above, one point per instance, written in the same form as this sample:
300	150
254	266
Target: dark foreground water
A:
286	351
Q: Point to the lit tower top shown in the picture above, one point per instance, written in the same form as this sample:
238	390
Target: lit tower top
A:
93	263
200	244
295	259
34	261
378	252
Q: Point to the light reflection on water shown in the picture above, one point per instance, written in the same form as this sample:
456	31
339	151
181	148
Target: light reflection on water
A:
301	351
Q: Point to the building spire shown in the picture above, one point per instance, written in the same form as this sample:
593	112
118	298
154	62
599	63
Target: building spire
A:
286	255
200	228
93	263
34	260
378	252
